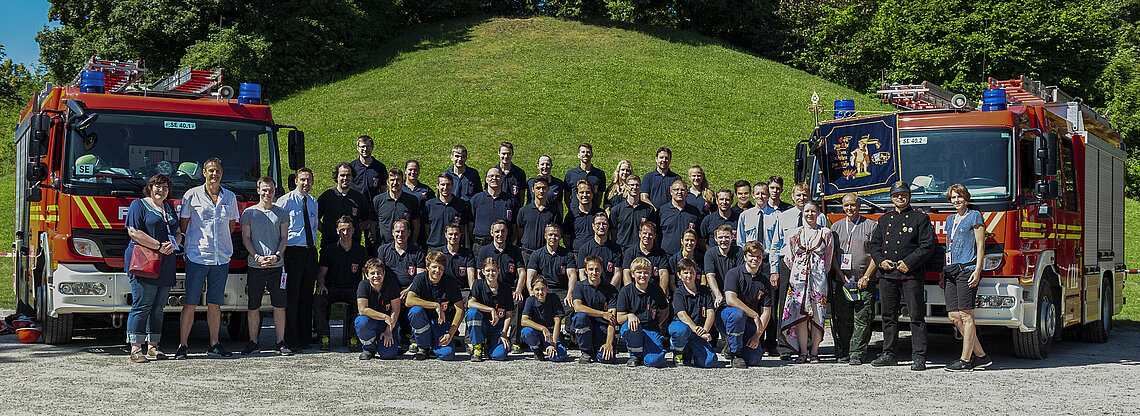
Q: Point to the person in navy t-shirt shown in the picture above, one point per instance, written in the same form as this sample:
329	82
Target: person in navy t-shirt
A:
436	308
595	314
691	331
542	324
488	316
642	310
378	300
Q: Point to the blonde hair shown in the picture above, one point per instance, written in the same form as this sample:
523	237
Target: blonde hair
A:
640	263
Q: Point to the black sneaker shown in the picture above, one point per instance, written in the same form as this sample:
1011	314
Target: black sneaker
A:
919	364
250	348
855	360
367	355
885	359
738	362
980	363
413	349
786	357
843	360
284	349
539	355
586	358
959	365
219	351
632	362
421	355
181	353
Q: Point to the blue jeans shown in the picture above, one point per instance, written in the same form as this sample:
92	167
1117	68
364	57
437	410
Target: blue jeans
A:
211	278
481	332
144	323
739	327
682	337
647	345
537	342
427	332
369	330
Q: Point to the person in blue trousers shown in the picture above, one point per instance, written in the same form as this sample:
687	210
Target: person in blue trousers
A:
595	314
692	327
642	309
489	315
748	293
542	323
378	300
437	308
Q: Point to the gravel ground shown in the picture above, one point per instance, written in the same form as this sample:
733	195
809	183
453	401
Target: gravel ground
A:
93	376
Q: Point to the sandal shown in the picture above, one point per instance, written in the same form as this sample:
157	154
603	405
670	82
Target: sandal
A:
803	359
814	359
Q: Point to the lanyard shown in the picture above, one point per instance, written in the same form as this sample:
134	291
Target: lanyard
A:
954	228
851	232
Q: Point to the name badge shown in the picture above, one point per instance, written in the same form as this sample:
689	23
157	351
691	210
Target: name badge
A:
284	277
948	258
845	262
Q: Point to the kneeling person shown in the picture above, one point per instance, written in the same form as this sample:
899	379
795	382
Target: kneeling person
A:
642	309
378	300
488	313
435	301
595	317
748	293
542	323
692	327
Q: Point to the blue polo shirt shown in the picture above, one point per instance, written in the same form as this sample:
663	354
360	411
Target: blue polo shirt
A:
510	264
694	304
627	221
498	299
458	262
387	210
755	290
721	263
647	305
713	220
699	201
514	184
466	185
439	215
657	258
486	209
543	313
579	226
595	177
401	266
601	297
533	221
609	252
676	257
421	192
370	180
657	186
674	222
553	266
446	292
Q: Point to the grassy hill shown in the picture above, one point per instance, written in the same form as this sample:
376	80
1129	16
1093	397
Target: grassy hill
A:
547	85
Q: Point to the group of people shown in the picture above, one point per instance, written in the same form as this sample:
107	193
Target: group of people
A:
667	265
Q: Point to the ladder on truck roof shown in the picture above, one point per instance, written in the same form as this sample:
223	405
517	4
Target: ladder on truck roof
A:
117	75
1023	90
190	80
924	96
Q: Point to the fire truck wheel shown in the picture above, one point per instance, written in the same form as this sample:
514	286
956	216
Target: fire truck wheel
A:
55	330
1036	344
1097	331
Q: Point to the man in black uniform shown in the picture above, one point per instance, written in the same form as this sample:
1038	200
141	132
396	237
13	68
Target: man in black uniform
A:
341	266
900	246
514	179
342	200
387	207
369	176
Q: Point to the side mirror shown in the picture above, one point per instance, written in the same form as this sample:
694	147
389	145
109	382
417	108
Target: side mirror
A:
800	166
1045	151
296	149
38	141
37	172
1048	189
79	118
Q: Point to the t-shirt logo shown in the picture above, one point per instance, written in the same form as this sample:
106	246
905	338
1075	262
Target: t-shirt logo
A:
690	225
500	312
455	220
411	270
562	269
514	189
511	267
734	235
375	182
654	270
643	219
406	215
463	271
354	211
509	212
610	266
443	305
354	267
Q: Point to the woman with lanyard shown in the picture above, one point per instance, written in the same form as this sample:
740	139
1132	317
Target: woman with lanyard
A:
152	224
965	239
810	261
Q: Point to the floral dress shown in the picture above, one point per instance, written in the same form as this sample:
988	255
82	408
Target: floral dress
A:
807	285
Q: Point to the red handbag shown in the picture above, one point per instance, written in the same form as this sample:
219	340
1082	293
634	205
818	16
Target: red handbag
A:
144	262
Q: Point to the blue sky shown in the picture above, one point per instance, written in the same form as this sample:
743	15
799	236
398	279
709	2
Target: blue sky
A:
19	22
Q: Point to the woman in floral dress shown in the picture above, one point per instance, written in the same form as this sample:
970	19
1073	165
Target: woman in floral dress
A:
811	248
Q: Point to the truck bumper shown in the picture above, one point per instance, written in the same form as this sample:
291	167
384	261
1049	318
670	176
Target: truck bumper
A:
117	298
990	291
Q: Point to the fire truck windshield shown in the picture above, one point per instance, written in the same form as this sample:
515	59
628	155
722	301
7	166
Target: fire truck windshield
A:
933	160
121	151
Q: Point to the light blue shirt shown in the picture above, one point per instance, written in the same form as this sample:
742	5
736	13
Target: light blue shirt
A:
961	244
750	227
209	236
292	202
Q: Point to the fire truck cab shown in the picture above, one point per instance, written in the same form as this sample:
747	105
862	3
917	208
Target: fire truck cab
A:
85	151
1047	173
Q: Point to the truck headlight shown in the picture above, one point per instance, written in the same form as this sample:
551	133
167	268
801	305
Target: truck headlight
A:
83	288
85	247
994	302
991	261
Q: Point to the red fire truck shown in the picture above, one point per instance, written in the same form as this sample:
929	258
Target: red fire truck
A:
84	152
1047	173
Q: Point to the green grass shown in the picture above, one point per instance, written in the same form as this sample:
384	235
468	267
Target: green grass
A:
1130	316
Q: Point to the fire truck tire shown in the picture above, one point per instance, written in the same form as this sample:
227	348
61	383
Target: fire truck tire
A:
235	327
55	330
1036	344
1097	331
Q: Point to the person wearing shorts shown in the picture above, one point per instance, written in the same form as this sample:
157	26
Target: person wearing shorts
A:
207	217
965	239
265	233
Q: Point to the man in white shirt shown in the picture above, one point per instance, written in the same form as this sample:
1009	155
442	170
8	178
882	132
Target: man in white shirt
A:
208	215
